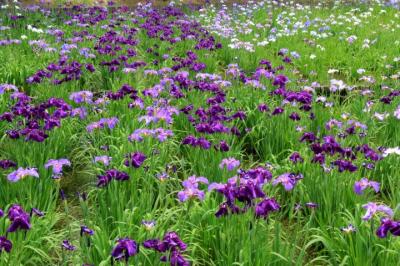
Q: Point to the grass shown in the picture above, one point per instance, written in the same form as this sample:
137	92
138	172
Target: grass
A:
291	236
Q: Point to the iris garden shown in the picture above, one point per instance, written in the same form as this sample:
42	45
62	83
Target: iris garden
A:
251	133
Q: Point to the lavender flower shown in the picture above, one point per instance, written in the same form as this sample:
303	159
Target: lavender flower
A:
288	180
81	97
21	173
363	183
57	166
7	87
372	208
109	122
230	163
104	159
191	188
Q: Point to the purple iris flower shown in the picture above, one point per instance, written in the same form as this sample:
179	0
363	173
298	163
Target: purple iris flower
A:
277	111
5	244
36	212
67	245
344	165
288	180
309	137
296	158
57	166
230	163
19	219
80	111
372	208
6	164
265	207
109	175
124	249
311	205
388	225
263	107
86	231
172	243
191	189
135	159
109	122
139	134
21	173
363	183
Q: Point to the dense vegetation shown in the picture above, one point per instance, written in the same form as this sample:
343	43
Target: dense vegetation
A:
244	134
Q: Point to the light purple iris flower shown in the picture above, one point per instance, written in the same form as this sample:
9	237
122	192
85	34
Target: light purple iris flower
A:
191	189
57	166
160	133
7	87
372	208
81	97
288	180
109	122
21	173
230	163
80	111
104	159
360	186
